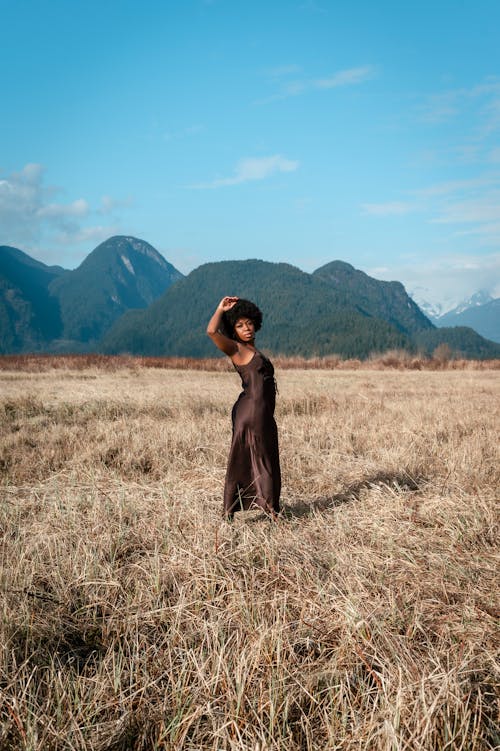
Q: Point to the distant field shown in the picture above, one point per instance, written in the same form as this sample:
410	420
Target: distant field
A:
134	618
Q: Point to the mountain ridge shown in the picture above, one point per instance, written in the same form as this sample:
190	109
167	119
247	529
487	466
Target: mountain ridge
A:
48	308
126	297
302	314
131	274
29	316
387	298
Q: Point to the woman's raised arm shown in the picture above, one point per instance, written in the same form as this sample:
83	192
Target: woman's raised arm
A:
224	343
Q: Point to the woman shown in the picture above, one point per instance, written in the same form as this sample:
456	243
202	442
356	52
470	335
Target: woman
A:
253	472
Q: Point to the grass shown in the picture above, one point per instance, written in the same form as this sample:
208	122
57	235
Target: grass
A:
134	618
398	359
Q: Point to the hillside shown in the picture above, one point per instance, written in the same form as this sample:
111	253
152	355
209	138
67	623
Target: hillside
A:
463	341
120	274
125	297
386	300
306	314
302	315
29	317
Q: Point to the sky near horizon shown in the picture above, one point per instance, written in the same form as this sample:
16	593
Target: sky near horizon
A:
289	130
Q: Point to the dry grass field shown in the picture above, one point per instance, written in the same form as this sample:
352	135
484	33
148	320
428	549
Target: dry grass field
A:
134	618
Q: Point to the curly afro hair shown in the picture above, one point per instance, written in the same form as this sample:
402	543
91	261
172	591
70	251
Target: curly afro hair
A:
242	309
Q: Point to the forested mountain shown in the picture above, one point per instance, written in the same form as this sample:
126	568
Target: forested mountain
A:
120	274
306	314
386	300
29	317
103	306
462	341
303	313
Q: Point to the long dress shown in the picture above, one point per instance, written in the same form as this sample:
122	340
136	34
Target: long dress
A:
253	475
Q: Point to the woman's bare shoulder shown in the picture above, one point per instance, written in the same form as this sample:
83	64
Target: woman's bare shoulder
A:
244	355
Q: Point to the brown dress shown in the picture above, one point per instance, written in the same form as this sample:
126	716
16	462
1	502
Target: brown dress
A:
253	475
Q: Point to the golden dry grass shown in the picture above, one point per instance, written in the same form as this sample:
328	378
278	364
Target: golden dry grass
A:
397	359
134	618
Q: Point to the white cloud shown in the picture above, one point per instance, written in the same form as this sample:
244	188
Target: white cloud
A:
485	235
30	217
86	234
30	174
491	116
455	186
473	202
469	206
485	208
390	208
447	277
483	100
253	168
22	197
489	230
440	107
79	207
348	77
294	87
110	204
281	71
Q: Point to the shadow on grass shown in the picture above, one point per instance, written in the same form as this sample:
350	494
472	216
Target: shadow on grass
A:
398	482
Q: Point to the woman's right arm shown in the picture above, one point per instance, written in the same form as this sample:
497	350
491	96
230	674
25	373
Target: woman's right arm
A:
224	343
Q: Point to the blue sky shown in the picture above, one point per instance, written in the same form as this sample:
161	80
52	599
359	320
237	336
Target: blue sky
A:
300	131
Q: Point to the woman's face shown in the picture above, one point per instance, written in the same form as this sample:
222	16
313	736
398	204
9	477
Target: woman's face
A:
244	329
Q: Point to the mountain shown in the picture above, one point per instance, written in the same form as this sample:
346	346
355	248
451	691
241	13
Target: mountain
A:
462	341
120	274
303	314
386	300
483	317
125	297
432	304
46	308
479	311
436	308
334	310
29	317
478	298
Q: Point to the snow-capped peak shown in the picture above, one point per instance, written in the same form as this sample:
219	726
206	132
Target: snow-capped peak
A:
436	308
431	304
478	298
